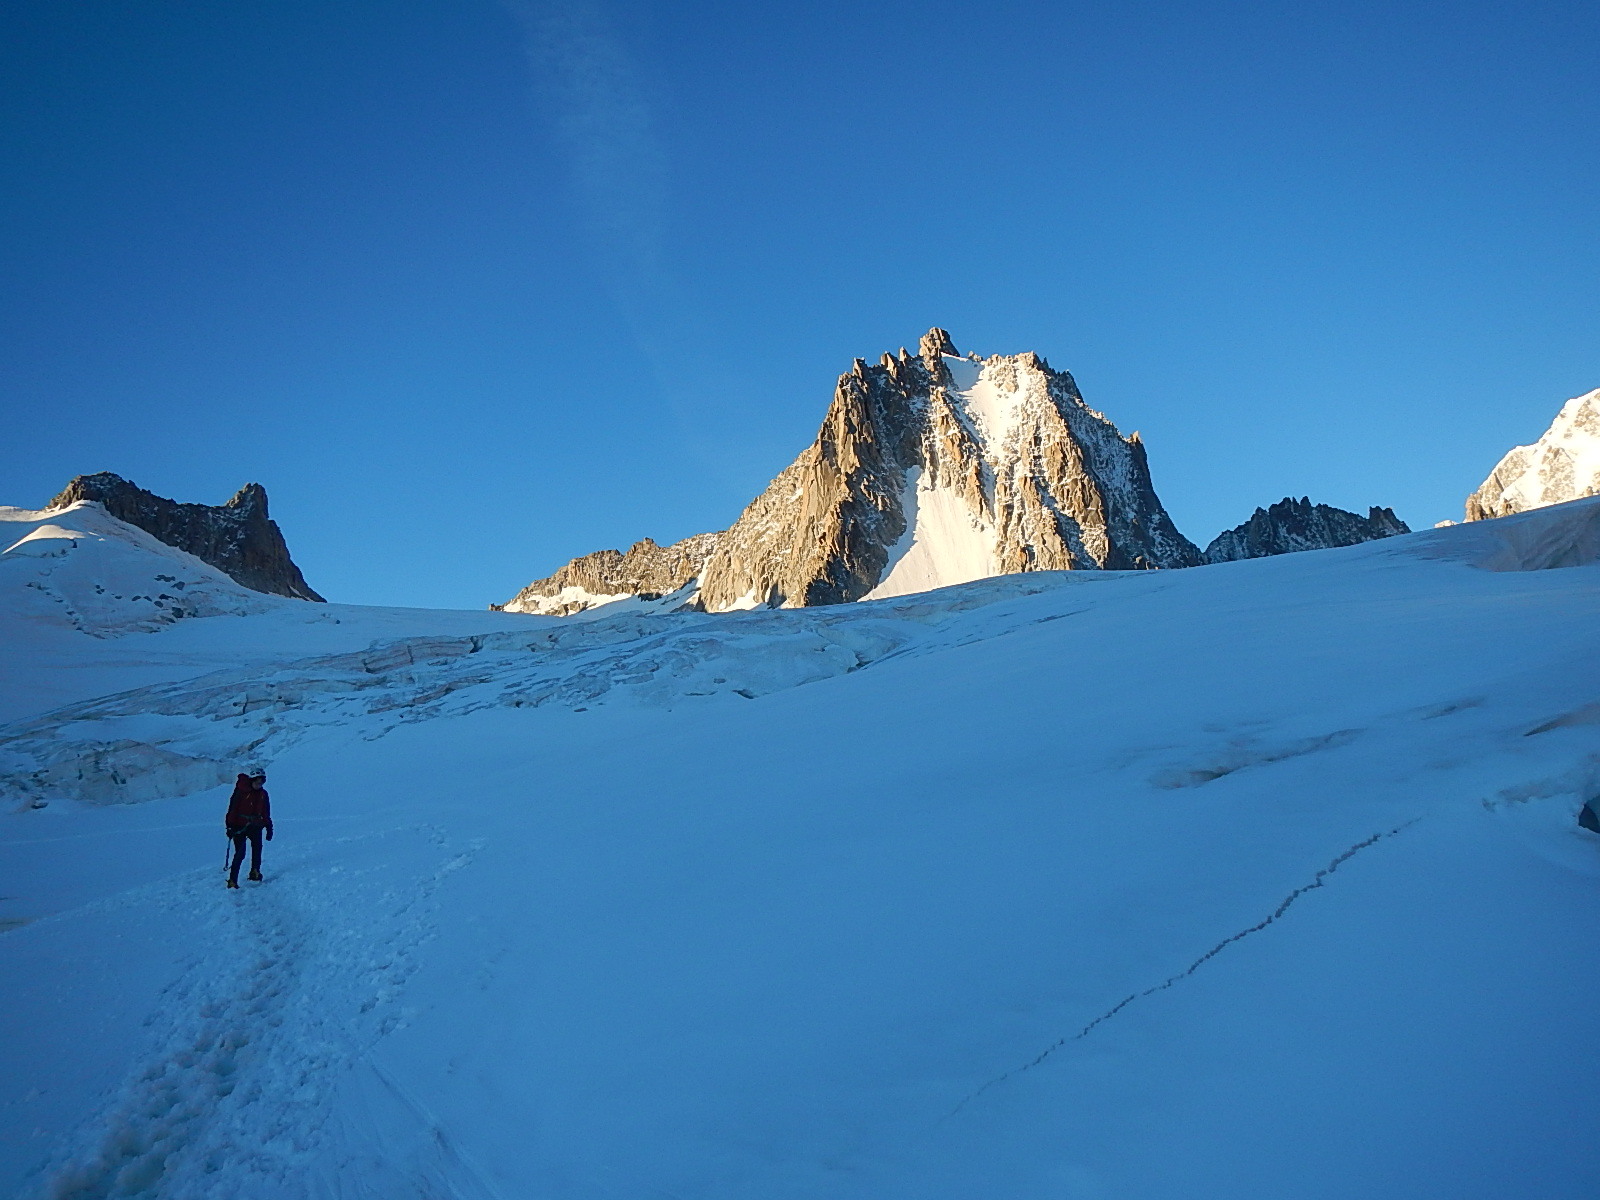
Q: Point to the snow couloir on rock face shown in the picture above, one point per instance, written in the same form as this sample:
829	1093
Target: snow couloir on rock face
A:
930	469
1291	525
238	538
1562	465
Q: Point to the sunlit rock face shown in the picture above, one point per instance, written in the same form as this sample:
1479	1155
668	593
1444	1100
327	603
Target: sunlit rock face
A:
1291	525
238	538
646	570
930	469
1562	465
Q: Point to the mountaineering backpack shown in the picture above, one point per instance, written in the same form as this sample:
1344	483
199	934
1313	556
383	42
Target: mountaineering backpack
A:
248	808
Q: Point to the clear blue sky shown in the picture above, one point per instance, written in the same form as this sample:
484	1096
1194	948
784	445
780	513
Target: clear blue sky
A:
476	287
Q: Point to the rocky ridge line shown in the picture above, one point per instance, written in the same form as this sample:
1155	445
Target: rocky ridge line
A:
1292	525
646	570
238	538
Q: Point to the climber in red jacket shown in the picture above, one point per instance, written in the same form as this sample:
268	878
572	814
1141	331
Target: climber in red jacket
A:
249	812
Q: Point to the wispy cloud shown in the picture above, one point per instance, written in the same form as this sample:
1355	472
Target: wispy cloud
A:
591	90
597	101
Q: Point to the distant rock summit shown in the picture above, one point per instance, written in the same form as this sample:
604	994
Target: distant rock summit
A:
647	571
1562	465
930	469
1291	525
238	538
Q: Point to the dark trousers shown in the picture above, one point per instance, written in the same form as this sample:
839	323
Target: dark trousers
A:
254	834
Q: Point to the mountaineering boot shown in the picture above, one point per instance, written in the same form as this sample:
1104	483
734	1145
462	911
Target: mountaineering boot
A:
255	876
233	883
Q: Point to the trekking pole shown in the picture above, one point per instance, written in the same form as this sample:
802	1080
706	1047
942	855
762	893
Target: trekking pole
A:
227	847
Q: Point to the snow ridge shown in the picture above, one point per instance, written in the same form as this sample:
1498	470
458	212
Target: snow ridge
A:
82	568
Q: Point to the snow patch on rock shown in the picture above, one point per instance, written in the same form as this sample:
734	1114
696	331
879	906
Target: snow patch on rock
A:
945	542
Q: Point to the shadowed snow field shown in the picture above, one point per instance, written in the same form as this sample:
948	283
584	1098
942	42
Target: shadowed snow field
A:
1252	880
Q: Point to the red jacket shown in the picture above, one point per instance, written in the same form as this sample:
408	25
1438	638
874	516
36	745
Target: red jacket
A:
248	807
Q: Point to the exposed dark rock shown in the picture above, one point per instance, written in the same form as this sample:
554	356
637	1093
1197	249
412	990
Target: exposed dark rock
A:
238	538
1291	525
1589	815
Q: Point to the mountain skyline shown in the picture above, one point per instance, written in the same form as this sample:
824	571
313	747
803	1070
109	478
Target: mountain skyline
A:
931	469
928	502
420	258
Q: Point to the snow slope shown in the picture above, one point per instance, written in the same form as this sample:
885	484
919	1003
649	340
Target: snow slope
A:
80	568
91	605
945	542
1257	880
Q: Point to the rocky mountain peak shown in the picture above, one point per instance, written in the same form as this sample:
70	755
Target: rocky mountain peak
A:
928	470
248	499
935	344
238	538
1564	464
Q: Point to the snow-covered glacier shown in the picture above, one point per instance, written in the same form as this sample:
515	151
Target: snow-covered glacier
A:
1263	879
